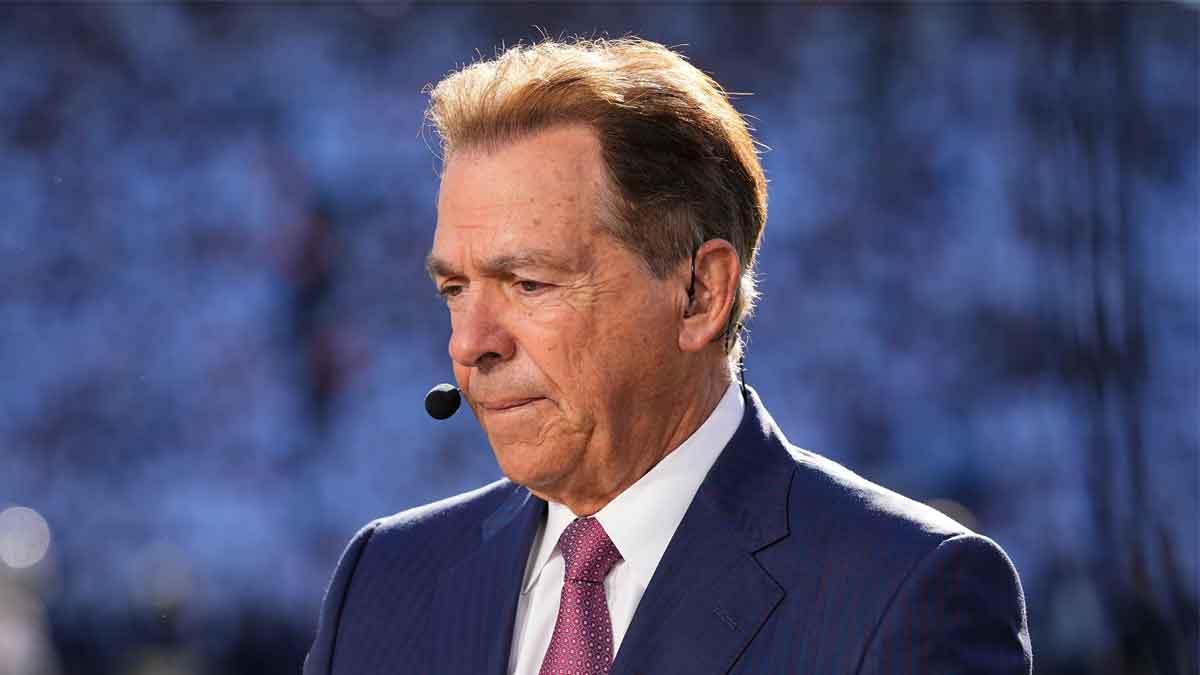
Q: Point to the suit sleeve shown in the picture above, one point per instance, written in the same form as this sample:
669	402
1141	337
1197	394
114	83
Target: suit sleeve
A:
320	657
960	610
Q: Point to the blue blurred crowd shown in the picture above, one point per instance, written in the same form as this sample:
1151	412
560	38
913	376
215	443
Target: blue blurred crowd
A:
215	329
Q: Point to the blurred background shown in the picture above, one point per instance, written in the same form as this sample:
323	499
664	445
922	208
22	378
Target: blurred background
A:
980	280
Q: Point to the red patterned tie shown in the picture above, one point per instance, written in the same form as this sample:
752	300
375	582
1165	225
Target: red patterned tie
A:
582	643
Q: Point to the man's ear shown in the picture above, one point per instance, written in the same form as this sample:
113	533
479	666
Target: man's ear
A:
716	279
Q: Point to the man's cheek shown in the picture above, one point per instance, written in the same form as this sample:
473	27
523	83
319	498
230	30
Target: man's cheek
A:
580	300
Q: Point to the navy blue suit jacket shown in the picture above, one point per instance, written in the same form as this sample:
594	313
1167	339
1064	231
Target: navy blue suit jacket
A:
785	562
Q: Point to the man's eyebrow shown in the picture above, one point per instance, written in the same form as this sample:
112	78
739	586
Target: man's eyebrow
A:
436	267
501	265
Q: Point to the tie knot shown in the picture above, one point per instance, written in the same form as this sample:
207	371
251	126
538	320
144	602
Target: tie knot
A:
587	550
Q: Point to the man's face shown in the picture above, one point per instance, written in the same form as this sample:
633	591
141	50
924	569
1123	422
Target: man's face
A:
563	343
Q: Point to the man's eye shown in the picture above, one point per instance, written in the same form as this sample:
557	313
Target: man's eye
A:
528	286
449	291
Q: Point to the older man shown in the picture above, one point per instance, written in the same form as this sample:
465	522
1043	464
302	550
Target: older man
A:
600	210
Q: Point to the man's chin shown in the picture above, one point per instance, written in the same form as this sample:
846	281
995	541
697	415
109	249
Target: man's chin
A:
532	470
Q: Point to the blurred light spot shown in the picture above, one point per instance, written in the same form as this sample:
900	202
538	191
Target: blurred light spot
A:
24	537
956	511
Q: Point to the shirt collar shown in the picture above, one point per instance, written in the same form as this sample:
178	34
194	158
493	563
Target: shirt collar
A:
642	520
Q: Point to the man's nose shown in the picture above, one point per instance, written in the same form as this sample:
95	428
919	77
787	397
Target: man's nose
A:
478	336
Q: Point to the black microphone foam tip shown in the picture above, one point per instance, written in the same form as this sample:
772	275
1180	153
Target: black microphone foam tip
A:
442	401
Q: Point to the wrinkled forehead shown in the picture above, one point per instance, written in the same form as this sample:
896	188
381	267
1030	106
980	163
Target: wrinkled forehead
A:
544	192
561	164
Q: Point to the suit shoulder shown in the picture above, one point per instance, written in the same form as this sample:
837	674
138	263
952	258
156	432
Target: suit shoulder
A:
452	514
832	498
964	571
853	546
426	537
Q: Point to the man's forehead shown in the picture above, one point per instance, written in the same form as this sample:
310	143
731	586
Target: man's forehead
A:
535	201
505	261
512	231
560	166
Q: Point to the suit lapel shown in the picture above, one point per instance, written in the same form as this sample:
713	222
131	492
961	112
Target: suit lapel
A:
472	621
709	595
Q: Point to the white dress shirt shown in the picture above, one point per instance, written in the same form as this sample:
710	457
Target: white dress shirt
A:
640	521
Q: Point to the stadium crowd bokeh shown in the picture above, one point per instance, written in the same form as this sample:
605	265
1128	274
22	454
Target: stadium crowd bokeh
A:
979	275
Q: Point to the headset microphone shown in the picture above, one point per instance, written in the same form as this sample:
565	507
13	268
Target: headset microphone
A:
442	401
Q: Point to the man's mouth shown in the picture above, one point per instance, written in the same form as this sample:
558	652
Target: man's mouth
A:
508	404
